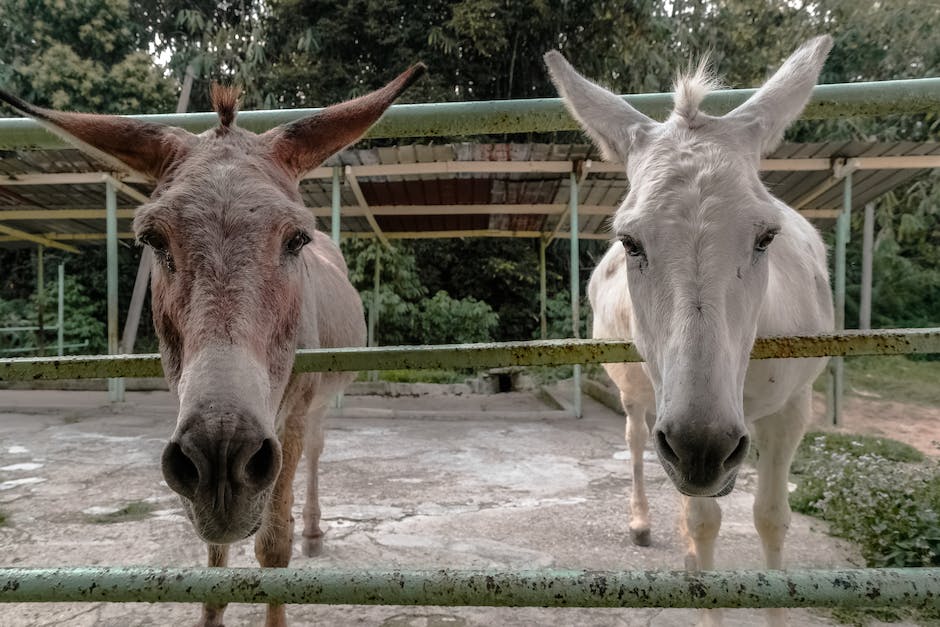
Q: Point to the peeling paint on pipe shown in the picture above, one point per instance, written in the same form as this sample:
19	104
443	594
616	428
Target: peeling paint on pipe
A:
531	115
496	355
913	587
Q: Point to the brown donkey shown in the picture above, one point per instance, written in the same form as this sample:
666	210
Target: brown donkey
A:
241	278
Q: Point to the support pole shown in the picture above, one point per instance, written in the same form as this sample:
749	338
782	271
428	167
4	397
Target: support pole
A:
868	242
575	285
334	232
40	301
115	386
335	218
374	309
61	314
837	364
543	292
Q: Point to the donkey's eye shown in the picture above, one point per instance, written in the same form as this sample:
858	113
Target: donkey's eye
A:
632	247
161	249
156	241
297	241
764	240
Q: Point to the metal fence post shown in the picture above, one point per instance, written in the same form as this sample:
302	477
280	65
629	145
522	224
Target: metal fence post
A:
335	205
868	241
115	386
543	291
61	310
575	285
837	364
40	300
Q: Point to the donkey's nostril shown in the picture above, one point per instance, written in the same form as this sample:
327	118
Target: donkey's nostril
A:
262	468
665	450
738	454
180	472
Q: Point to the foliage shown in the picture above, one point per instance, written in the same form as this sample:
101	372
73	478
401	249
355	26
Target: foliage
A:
421	376
96	55
82	321
558	316
79	55
894	377
405	314
870	493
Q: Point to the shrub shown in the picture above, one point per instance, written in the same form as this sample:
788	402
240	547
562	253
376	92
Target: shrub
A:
889	507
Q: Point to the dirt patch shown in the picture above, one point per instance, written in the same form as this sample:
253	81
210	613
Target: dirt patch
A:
916	425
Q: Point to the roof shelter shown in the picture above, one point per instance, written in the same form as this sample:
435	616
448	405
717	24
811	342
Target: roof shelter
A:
55	197
51	195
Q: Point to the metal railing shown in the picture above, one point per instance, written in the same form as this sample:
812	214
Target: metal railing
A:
490	355
538	115
919	588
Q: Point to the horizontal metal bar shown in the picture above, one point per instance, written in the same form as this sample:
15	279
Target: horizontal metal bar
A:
532	116
854	588
18	215
495	355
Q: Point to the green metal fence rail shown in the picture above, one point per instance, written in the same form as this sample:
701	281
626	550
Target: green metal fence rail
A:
532	115
497	355
913	587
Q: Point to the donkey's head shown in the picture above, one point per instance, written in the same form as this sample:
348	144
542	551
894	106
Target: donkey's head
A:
228	228
697	227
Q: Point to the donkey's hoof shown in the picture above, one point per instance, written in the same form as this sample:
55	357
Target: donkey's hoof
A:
313	546
640	537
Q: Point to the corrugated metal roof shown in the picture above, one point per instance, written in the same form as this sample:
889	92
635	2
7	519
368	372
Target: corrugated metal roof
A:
488	202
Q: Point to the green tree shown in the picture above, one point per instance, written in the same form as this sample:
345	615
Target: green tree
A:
86	56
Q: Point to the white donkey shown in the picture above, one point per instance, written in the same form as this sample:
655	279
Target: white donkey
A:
706	259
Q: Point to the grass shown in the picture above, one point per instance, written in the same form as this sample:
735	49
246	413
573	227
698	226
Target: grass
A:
135	510
891	378
3	518
419	376
882	495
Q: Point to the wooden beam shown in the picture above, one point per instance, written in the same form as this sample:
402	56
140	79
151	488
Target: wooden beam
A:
478	209
60	214
364	205
16	234
466	233
69	237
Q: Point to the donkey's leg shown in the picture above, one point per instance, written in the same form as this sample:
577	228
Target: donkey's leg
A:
776	438
212	614
313	447
275	538
637	433
700	522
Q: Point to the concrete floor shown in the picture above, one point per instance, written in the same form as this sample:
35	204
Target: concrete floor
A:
408	492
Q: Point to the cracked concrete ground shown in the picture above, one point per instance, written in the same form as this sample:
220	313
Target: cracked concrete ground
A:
487	492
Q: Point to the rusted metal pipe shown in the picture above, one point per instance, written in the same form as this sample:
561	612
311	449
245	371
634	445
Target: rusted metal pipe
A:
496	355
913	587
537	115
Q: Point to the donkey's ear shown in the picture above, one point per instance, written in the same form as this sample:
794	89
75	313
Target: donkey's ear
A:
306	143
780	101
128	145
609	120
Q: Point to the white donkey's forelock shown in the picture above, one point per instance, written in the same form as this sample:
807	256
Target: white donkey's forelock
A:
690	90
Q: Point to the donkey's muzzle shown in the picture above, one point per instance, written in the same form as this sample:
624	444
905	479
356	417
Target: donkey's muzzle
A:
224	469
701	462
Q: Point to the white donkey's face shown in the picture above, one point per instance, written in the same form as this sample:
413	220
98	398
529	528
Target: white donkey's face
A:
697	228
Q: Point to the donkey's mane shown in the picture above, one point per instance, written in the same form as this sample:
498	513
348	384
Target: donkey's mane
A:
225	103
690	89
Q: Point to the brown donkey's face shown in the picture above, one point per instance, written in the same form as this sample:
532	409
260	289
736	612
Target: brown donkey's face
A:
228	279
228	231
